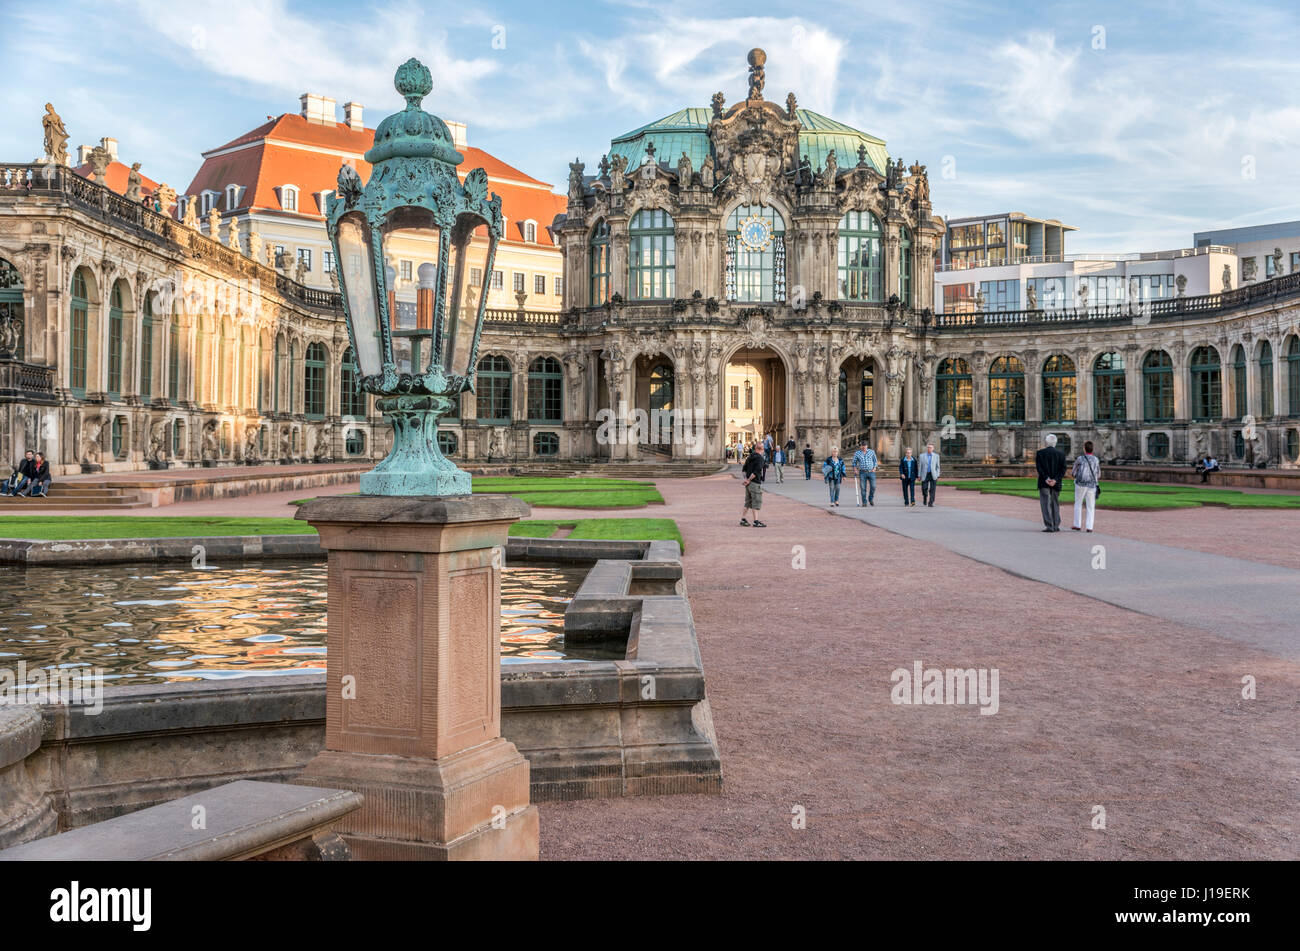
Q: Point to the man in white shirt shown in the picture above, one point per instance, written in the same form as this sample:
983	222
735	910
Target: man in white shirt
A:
929	474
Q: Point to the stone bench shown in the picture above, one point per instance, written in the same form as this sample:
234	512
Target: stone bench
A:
242	820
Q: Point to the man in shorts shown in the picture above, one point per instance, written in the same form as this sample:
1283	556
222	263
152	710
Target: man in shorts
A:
753	472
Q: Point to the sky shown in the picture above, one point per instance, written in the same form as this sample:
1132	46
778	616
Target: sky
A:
1138	122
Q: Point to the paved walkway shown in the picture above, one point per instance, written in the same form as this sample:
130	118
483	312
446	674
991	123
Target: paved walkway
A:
1247	601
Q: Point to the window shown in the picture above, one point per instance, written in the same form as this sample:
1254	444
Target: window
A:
1239	381
1154	286
289	197
966	236
313	382
447	442
327	262
651	255
1158	388
146	348
79	318
280	252
498	281
1295	261
546	444
354	443
118	432
1270	268
954	445
405	270
868	397
493	388
557	286
1110	402
1248	270
207	199
1047	293
352	402
530	231
232	197
275	378
178	437
905	266
115	341
860	257
661	388
755	254
1007	391
1059	390
1238	444
749	395
1293	376
1207	394
1158	445
476	277
959	298
844	397
1293	445
545	391
517	281
304	258
539	283
1000	295
173	362
1265	379
953	391
735	397
599	263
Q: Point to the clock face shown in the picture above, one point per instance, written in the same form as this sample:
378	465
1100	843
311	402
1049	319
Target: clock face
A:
755	233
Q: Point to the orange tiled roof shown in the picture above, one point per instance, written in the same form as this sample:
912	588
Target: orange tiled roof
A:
289	150
116	175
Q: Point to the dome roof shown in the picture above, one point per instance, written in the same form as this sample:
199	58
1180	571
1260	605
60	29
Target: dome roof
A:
687	130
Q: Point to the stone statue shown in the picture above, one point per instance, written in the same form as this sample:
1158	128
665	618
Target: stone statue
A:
862	156
270	256
1200	440
1031	297
604	168
285	443
300	271
684	171
1227	277
979	302
1277	262
191	219
11	335
719	100
790	106
56	136
617	170
830	171
91	430
165	196
99	160
1083	295
576	169
252	454
255	246
1110	446
232	239
706	172
157	443
804	175
210	449
1181	283
922	181
757	58
893	174
133	183
214	224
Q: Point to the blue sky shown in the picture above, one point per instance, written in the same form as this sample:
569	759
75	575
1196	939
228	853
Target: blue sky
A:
1139	123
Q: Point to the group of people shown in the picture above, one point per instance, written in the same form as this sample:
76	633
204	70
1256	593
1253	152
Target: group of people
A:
927	468
1206	466
30	478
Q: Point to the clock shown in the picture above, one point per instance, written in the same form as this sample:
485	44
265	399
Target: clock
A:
755	233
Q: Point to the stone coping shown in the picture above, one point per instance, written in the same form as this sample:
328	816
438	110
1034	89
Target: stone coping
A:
407	510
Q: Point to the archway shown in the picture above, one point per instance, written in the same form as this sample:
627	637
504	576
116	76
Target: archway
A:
856	401
754	391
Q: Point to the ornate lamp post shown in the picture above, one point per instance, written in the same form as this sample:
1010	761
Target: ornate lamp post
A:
416	360
413	673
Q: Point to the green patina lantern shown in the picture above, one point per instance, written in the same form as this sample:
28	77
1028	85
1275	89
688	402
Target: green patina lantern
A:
416	357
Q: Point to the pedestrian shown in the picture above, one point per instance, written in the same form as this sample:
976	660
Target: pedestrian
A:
929	474
753	473
22	475
778	460
833	475
866	463
38	487
1087	486
807	461
907	473
767	444
1050	463
790	449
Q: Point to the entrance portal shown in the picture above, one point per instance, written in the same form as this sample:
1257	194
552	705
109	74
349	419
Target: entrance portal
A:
754	399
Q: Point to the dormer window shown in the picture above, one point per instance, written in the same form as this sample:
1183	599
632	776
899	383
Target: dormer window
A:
322	200
232	197
289	197
530	231
207	200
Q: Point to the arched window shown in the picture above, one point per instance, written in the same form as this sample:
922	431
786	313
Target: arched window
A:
545	391
11	310
1109	395
599	254
1059	390
651	255
861	275
352	402
118	432
275	377
313	382
178	437
493	388
1157	388
868	396
1007	391
1158	445
79	320
953	391
1239	381
173	361
905	266
546	444
844	397
1265	378
1293	376
755	254
661	388
354	443
115	298
146	348
1207	385
530	231
292	375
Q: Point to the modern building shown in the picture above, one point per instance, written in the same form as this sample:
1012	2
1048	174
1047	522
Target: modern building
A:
1007	238
1263	251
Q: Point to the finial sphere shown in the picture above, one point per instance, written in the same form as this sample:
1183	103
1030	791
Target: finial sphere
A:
757	57
413	80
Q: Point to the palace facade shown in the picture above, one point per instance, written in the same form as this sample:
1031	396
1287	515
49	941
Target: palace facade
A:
739	269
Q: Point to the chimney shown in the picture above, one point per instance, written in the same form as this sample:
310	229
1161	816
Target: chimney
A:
83	154
457	130
315	108
352	116
110	146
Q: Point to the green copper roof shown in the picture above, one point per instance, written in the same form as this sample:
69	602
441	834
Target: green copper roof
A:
687	130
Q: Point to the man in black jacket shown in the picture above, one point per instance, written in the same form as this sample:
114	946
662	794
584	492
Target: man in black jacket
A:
22	475
754	471
1050	463
807	462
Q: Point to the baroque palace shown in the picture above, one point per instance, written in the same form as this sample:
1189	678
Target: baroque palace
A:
741	269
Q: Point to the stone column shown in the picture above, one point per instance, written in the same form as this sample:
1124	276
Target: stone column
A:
413	681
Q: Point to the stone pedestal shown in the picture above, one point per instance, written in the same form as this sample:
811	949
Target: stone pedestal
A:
413	681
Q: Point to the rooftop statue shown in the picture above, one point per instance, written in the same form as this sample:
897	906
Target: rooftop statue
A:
56	136
134	183
719	100
684	170
99	159
191	219
790	106
832	169
757	58
706	172
576	168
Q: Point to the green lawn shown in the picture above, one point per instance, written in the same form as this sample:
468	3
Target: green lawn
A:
54	527
561	492
1133	495
638	529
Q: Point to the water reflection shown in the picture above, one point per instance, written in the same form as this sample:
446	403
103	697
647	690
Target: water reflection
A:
160	623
